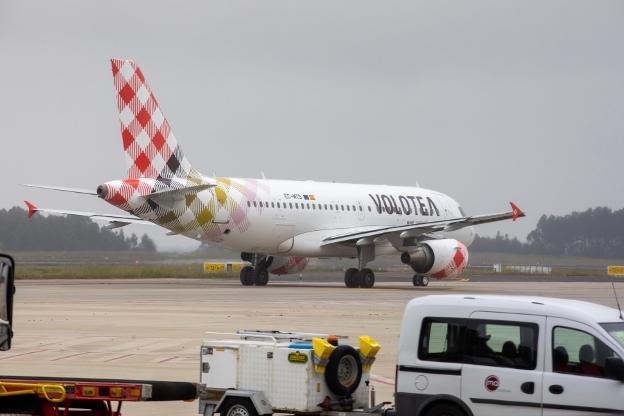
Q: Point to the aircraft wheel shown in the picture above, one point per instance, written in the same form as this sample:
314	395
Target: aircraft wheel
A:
261	277
247	276
351	278
367	278
420	280
416	280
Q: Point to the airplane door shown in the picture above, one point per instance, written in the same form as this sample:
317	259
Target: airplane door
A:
503	364
360	210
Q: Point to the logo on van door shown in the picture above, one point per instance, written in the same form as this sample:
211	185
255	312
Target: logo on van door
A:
492	383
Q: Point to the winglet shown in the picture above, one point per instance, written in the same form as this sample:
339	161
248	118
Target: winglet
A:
32	209
515	212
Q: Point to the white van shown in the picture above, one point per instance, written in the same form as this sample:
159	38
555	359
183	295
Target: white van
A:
463	355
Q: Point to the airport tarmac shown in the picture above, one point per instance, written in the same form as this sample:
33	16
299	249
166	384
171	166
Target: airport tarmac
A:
152	329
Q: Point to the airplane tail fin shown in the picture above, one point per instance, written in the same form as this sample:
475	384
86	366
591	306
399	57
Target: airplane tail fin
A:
152	150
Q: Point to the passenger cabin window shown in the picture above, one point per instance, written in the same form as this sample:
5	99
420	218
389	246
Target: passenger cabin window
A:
248	203
254	202
442	339
272	204
278	205
290	204
577	352
502	344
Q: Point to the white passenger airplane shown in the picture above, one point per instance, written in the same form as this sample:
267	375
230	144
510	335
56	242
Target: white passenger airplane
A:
276	224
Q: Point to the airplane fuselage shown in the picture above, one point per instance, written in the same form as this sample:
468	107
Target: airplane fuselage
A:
283	217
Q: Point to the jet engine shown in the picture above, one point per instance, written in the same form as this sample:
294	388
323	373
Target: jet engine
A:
437	258
287	264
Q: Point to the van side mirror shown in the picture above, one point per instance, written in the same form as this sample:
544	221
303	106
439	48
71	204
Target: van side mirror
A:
614	368
7	289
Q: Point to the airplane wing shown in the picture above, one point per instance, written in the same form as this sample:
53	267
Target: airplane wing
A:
114	221
352	236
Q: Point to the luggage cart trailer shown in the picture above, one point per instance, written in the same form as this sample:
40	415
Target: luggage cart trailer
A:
252	373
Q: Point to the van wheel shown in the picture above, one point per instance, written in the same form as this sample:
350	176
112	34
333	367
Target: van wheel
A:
238	407
445	409
344	370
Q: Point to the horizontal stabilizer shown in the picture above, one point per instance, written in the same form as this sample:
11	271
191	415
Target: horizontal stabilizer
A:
63	189
116	221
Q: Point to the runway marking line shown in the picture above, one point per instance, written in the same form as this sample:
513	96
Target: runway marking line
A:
117	358
69	356
382	380
22	354
168	359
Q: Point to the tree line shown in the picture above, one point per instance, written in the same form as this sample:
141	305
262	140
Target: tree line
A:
596	232
63	233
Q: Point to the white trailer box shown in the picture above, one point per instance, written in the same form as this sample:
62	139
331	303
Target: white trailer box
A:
285	367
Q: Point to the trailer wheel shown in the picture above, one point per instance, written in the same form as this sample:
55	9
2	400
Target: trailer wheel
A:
238	406
445	409
344	370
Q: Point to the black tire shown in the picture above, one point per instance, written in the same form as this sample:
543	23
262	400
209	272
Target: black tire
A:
238	406
367	278
352	278
416	280
247	276
344	371
445	409
261	277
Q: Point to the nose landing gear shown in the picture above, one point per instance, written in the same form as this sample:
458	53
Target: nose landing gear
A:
420	280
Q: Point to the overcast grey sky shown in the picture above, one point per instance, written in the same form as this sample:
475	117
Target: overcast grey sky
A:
487	101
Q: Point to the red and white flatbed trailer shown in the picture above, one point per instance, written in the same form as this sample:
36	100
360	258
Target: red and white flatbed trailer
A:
56	396
62	396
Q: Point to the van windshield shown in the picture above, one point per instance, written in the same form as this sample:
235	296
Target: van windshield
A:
616	330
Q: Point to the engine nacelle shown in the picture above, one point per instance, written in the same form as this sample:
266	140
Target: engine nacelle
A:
438	258
285	265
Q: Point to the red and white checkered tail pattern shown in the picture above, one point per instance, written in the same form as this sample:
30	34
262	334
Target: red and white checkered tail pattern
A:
152	150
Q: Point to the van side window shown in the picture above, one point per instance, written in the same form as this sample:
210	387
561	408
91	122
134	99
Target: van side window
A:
577	352
442	339
501	344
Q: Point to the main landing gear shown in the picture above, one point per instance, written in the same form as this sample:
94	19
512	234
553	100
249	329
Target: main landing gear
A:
420	280
359	278
362	277
258	274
